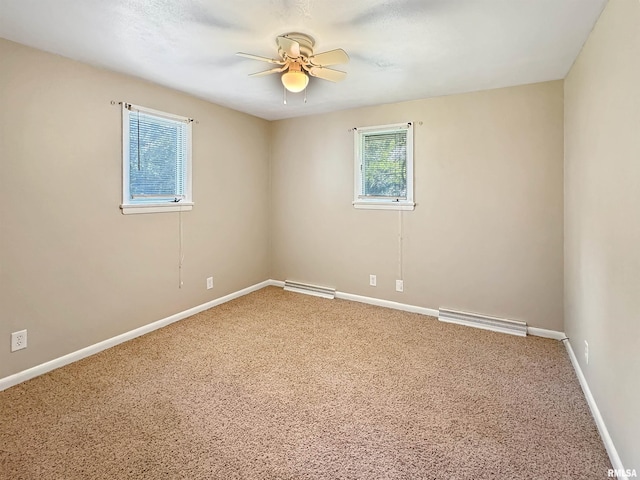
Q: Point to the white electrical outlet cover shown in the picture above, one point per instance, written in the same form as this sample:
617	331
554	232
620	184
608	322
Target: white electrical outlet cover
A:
399	285
372	280
18	340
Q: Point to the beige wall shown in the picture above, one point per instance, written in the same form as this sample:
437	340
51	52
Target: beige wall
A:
602	210
74	270
486	235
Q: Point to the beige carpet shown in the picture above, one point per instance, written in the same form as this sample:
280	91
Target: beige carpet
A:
287	386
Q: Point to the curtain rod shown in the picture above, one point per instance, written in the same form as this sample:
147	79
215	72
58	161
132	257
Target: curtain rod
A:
129	105
355	129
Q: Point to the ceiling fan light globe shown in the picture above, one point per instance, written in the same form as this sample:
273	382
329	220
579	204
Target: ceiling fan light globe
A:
295	81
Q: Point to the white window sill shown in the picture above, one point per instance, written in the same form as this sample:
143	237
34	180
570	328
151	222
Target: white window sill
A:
383	205
156	208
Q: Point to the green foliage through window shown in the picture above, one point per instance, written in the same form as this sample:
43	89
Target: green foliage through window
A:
384	164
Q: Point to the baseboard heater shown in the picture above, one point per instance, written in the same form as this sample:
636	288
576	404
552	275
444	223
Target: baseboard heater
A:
315	290
485	322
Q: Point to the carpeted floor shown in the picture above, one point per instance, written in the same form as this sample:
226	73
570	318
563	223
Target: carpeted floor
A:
278	385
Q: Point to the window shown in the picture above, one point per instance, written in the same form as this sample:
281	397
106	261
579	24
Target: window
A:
384	167
156	152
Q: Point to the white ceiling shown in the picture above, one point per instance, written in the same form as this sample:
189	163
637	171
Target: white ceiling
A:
400	49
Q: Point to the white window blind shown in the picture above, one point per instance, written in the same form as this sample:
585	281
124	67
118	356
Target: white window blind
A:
384	164
156	158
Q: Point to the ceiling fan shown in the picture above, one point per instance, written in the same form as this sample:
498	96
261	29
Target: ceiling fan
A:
297	60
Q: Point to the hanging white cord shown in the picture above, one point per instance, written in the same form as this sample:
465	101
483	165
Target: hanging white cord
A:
138	146
400	245
181	252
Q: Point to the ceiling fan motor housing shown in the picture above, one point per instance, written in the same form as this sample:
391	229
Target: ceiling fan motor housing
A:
306	43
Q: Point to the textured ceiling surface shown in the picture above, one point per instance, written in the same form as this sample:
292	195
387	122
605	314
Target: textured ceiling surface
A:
400	49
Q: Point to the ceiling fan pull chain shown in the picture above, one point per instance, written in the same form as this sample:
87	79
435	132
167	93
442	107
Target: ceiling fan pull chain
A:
305	94
284	95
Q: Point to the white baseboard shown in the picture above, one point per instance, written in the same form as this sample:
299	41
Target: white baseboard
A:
431	312
375	301
595	412
387	303
32	372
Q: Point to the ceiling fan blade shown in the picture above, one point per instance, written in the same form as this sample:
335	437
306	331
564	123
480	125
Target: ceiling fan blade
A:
332	57
262	59
327	74
268	72
288	46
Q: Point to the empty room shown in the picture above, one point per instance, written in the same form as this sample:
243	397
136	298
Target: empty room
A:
303	239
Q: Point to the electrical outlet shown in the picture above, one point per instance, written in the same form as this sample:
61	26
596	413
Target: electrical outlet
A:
209	283
586	352
372	280
18	340
399	286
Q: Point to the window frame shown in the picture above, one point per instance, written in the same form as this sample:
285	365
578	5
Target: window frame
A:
382	203
129	207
